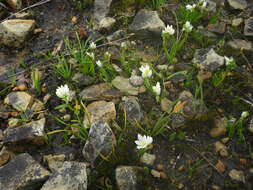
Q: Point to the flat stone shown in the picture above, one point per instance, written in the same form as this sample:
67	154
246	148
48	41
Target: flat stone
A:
131	178
219	27
123	84
100	110
82	80
54	162
22	173
71	175
237	175
100	142
248	28
147	24
208	60
32	132
18	100
15	4
14	32
103	91
106	23
238	44
238	4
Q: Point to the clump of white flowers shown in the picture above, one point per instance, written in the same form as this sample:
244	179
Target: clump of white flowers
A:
190	7
146	71
63	92
229	61
93	45
244	114
203	3
187	27
91	55
143	141
99	63
157	89
168	30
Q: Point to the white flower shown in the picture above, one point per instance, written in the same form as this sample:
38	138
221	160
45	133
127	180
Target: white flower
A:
228	61
203	3
157	89
63	92
143	141
168	30
93	45
99	63
244	114
146	71
91	55
123	45
187	27
190	7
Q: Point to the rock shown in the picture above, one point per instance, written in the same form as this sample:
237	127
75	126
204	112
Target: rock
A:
177	120
238	44
237	21
116	35
22	173
211	5
238	4
32	132
15	4
155	173
131	108
220	127
147	24
131	178
5	155
54	162
13	122
166	104
219	27
221	149
100	142
106	23
82	80
102	91
208	60
18	100
237	175
101	9
136	80
14	32
71	175
250	126
100	110
123	84
148	159
37	106
248	28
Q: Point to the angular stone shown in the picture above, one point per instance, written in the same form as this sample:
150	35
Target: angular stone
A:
131	178
148	159
101	9
131	108
54	162
221	149
32	132
100	110
15	4
248	28
82	80
70	176
219	27
208	60
123	84
220	127
22	173
100	142
237	175
5	155
147	24
103	91
238	44
18	100
237	21
14	32
238	4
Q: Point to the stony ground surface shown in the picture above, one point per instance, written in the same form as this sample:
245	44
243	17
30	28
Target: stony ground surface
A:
200	120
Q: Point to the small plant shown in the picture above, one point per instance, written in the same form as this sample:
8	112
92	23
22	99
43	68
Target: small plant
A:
63	68
35	76
156	4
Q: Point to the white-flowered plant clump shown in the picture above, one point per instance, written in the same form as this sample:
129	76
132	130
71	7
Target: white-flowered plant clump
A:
93	45
91	55
63	92
146	71
99	63
187	27
203	3
157	89
143	141
229	61
190	7
168	30
244	114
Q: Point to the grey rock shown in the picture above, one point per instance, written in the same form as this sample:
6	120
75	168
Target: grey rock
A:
238	44
100	110
71	175
131	108
237	21
248	28
237	175
82	80
14	32
221	149
18	100
106	23
211	5
101	9
100	142
131	178
123	84
103	91
147	24
15	4
136	80
116	35
148	159
54	162
208	60
32	132
238	4
166	104
177	120
22	173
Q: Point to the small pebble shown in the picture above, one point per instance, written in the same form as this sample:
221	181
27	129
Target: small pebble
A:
156	173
